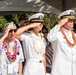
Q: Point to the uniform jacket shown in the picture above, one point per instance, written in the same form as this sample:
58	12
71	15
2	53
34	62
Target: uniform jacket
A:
64	55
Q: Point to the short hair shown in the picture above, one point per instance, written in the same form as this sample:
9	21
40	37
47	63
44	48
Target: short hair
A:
23	17
44	27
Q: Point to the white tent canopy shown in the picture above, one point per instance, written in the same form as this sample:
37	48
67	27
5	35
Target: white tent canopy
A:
18	6
62	4
46	6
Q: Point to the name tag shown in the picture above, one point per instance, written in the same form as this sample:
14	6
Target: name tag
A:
10	68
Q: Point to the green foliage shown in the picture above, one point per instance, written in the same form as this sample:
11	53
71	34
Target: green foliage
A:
2	22
49	20
15	18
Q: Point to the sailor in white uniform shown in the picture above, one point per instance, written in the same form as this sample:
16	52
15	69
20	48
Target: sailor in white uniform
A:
63	42
34	46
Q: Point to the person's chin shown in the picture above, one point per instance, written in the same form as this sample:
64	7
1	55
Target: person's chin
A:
12	38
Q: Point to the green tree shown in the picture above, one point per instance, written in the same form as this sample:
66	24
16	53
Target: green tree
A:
2	22
49	19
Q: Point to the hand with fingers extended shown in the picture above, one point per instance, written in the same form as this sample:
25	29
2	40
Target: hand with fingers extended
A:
4	35
63	21
35	24
6	32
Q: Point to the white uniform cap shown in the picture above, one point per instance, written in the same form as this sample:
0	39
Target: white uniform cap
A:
38	17
68	13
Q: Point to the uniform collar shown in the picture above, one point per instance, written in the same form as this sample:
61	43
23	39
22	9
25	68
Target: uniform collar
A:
66	30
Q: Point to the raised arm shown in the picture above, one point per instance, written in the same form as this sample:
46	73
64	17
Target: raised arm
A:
53	32
24	28
4	36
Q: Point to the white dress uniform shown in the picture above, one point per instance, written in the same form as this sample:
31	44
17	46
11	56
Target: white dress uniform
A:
64	55
34	60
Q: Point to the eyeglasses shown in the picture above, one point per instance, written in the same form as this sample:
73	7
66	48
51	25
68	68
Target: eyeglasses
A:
13	30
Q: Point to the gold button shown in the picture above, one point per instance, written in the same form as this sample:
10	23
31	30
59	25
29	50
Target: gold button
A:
40	61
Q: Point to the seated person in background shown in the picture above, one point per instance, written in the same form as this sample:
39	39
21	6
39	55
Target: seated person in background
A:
11	55
23	21
49	51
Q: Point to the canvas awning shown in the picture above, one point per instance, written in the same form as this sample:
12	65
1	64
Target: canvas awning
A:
46	6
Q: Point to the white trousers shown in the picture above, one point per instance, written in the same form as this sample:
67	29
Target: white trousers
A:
33	67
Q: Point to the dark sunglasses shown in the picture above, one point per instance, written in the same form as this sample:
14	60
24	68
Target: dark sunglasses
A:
13	30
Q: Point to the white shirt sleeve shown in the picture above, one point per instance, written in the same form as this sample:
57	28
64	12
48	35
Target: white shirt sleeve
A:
53	33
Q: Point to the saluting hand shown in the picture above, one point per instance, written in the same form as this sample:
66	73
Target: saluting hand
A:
6	32
34	25
63	21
